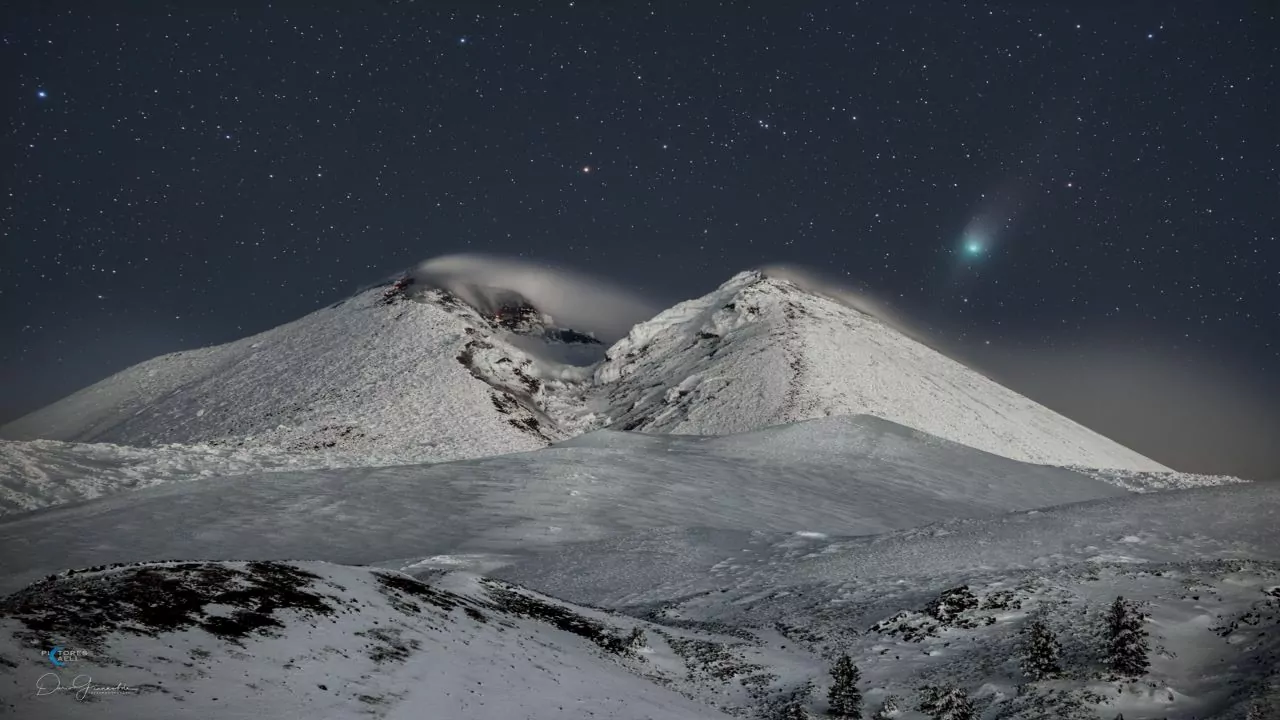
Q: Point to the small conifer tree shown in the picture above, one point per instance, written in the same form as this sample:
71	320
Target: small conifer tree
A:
947	703
636	639
1127	639
844	697
1040	651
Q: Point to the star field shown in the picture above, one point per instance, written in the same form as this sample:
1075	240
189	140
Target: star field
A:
1025	181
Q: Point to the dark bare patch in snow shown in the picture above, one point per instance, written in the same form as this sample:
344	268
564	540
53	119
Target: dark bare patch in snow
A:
508	599
388	645
401	591
154	598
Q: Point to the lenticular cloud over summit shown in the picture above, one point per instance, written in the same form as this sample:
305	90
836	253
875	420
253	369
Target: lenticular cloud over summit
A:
575	300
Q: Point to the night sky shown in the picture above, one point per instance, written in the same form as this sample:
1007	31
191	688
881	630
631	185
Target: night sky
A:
1079	198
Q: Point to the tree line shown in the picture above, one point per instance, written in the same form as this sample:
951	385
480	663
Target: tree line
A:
1125	647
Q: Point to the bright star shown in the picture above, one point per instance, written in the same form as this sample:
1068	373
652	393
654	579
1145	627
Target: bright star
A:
42	94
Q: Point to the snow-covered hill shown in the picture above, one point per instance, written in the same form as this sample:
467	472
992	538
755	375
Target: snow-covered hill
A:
433	500
311	639
395	371
840	476
417	374
39	473
735	621
761	351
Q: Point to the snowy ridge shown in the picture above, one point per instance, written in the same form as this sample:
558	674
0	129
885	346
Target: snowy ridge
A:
335	642
40	473
760	351
1143	481
417	373
873	476
427	378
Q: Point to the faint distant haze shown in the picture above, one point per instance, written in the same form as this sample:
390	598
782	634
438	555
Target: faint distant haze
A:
1192	413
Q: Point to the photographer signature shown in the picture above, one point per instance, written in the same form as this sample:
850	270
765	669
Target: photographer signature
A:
82	687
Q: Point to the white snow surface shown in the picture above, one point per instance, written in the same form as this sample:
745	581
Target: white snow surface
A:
747	560
376	653
1146	481
840	476
390	379
744	591
39	473
749	543
360	376
761	351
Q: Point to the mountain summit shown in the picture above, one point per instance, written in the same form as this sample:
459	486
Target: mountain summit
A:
400	372
417	373
762	351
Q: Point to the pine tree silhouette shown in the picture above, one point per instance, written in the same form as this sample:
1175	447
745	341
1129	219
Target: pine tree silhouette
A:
844	697
1040	651
1127	639
636	639
947	703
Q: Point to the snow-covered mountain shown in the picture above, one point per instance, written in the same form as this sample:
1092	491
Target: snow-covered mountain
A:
761	351
412	504
395	371
419	374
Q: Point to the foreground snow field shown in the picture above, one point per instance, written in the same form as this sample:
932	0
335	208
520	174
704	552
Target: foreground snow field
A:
748	562
734	622
339	642
841	476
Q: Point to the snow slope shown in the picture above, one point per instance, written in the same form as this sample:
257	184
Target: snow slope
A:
39	473
761	351
736	620
846	476
1205	563
419	379
334	642
418	375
